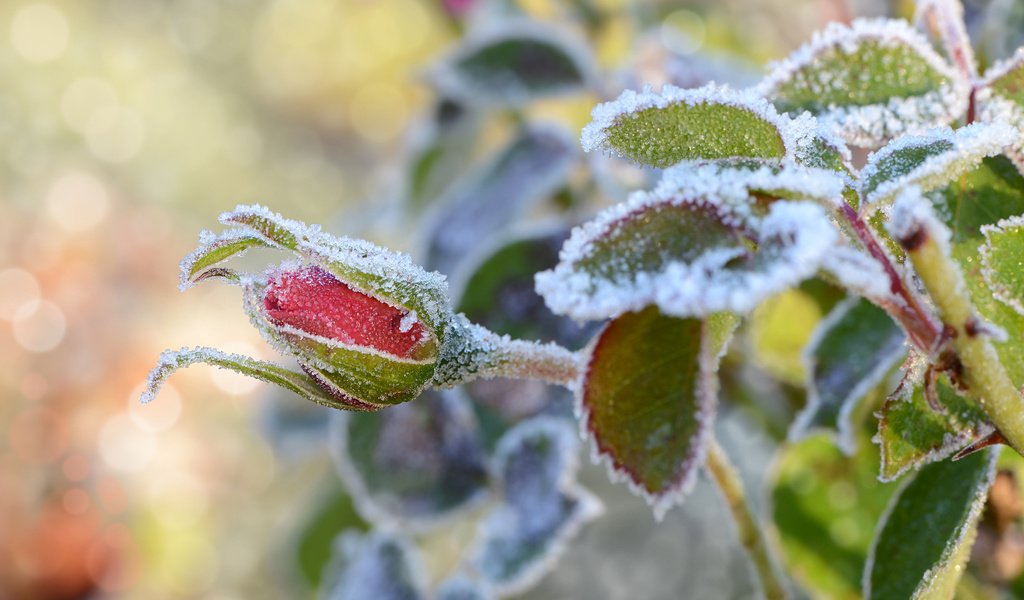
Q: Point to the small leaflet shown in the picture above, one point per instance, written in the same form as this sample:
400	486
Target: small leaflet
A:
911	433
377	565
661	129
542	508
688	253
1002	255
213	250
297	383
870	81
530	169
414	466
514	64
648	400
1000	96
849	355
932	160
944	20
924	539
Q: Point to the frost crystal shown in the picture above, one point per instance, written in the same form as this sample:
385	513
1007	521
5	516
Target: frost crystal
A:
998	279
821	69
931	160
912	213
725	275
734	184
998	99
859	273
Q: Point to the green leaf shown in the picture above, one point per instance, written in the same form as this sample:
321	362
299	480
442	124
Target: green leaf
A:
931	161
519	62
491	198
869	81
214	250
378	565
519	539
911	433
825	506
649	397
850	353
662	129
1002	257
500	295
923	542
415	465
334	514
1000	97
689	253
297	383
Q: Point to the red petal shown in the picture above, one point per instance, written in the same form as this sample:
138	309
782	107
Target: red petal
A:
314	301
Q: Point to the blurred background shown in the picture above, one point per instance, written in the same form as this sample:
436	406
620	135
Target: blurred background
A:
126	127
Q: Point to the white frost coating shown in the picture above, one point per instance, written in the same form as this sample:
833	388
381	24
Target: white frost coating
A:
970	145
369	508
994	107
448	77
174	360
913	212
461	587
391	277
707	399
999	291
846	439
734	184
208	241
797	235
964	533
506	522
365	574
860	273
604	115
946	19
870	125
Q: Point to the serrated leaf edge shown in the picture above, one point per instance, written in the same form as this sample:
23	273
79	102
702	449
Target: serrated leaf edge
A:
965	529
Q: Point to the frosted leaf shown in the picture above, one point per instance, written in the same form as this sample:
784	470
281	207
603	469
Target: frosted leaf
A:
712	122
213	250
462	588
944	20
519	540
528	170
923	541
849	354
818	147
872	80
415	466
378	565
297	383
272	227
1000	97
513	64
912	214
911	433
734	184
648	400
499	293
932	160
689	254
1001	256
859	273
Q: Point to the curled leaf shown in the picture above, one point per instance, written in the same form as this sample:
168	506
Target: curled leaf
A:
213	250
870	81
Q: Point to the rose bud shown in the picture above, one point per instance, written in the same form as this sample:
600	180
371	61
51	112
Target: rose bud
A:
368	327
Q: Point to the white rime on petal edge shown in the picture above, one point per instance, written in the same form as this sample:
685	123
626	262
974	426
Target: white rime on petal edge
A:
801	232
605	115
965	529
970	145
999	291
802	425
870	125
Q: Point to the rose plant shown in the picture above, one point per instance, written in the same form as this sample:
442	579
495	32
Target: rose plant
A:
915	252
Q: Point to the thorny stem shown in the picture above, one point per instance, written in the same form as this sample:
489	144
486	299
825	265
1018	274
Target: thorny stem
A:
983	373
910	313
749	530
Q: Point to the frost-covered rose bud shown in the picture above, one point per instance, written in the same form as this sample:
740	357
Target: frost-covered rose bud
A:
368	327
361	348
